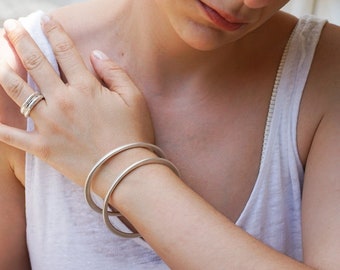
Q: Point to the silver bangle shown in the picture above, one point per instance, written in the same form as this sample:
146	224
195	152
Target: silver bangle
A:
118	180
87	188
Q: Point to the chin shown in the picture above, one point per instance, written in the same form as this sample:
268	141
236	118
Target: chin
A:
203	46
206	40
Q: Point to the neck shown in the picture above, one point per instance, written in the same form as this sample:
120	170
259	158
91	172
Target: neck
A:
153	52
156	49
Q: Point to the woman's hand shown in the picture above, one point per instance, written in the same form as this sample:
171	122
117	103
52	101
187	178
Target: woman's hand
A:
79	121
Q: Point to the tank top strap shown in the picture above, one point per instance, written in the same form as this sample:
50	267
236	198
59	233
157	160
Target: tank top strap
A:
292	76
273	211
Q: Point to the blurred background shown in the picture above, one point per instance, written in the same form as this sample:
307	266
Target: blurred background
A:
18	8
329	9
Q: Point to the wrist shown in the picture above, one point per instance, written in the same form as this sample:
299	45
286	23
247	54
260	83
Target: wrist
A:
105	176
133	158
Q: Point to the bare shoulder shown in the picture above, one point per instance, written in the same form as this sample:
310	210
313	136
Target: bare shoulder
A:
71	17
321	200
99	30
321	105
329	41
323	86
322	90
325	71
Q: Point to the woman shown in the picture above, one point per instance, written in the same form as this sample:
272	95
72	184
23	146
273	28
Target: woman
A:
242	98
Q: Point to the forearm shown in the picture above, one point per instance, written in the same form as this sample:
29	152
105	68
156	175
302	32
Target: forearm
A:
185	230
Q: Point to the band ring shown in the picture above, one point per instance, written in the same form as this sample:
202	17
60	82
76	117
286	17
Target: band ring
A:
30	103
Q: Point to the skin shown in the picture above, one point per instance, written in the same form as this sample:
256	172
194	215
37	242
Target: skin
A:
179	33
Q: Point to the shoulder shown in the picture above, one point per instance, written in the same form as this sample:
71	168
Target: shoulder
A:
321	199
71	17
325	71
326	77
101	28
330	36
327	54
322	90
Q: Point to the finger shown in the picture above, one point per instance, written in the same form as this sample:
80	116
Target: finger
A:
68	57
16	88
114	76
31	56
18	138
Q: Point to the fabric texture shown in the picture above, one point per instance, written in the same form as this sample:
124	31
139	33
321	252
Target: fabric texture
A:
64	233
273	211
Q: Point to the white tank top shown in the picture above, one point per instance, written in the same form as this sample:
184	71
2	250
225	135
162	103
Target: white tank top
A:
64	233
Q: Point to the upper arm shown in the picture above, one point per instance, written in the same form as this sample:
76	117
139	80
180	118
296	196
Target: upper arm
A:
321	192
13	249
321	196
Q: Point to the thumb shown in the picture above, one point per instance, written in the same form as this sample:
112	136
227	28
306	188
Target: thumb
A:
115	78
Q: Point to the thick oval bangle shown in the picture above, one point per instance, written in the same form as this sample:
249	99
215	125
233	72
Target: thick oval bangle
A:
119	179
111	154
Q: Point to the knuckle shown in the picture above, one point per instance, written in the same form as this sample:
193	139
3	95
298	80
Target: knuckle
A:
43	151
17	36
115	70
63	47
85	84
15	87
65	105
52	27
115	77
32	61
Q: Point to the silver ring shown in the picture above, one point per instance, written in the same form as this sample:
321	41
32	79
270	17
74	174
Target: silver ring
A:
30	103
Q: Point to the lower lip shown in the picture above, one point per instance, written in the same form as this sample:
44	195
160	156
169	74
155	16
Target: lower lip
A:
218	20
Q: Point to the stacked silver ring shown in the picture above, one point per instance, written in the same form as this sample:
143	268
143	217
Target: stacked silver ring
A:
30	103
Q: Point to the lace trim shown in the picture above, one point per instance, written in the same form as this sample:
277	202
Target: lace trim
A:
274	95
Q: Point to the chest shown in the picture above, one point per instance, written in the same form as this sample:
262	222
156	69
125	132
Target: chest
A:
217	148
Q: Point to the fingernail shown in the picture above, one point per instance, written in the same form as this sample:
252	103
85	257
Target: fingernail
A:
45	18
10	25
100	55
